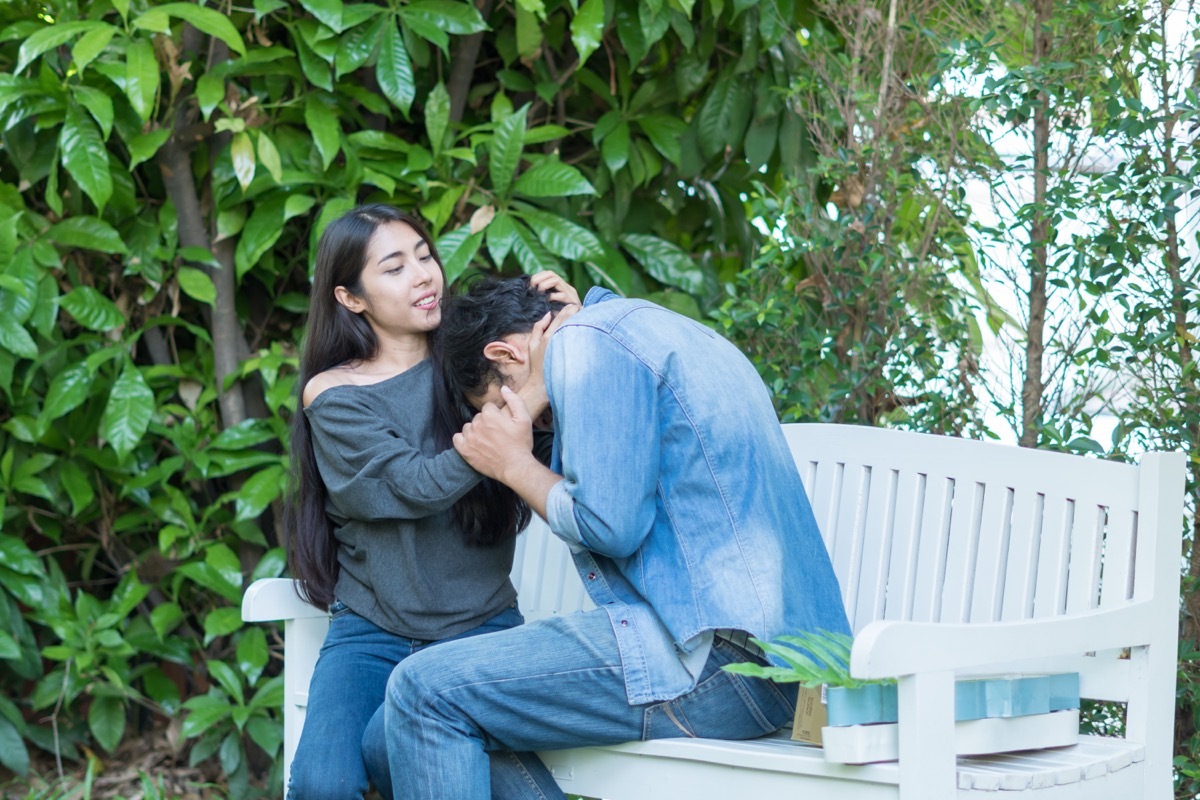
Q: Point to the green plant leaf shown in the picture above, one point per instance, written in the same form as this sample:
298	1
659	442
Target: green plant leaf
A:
75	481
501	235
323	124
587	29
106	719
16	556
164	617
259	490
14	756
205	711
85	156
141	77
562	237
88	233
90	45
241	152
665	261
265	733
252	653
457	248
394	70
144	146
67	392
51	37
99	104
129	411
531	253
552	178
221	622
437	116
268	156
505	150
329	12
91	309
197	284
222	672
665	133
448	15
15	339
615	147
207	20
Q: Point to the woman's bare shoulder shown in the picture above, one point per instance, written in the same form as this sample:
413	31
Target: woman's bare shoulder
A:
319	383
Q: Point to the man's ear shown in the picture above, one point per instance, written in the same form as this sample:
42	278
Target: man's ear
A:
503	352
350	301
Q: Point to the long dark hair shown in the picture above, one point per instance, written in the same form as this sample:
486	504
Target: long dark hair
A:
489	310
334	335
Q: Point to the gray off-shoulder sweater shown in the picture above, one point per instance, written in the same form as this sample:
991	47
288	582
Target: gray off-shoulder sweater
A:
403	562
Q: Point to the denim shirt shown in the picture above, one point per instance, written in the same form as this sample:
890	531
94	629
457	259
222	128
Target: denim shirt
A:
680	497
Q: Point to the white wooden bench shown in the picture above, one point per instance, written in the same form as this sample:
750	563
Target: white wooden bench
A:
955	557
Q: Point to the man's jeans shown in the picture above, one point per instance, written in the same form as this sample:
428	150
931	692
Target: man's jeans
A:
552	684
343	744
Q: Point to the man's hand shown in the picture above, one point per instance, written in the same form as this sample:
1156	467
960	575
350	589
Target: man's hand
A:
499	440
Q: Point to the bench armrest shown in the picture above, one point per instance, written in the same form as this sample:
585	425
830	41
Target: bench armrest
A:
270	599
889	649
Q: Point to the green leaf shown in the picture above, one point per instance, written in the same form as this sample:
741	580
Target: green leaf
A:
9	648
615	147
90	45
85	156
562	237
14	756
51	37
244	435
15	339
552	178
393	69
587	29
501	235
252	654
450	16
457	248
67	392
88	233
141	77
222	672
206	20
531	254
268	156
529	34
92	310
329	12
266	733
241	152
106	719
205	712
129	411
322	122
664	261
260	232
164	617
437	116
664	133
99	104
545	133
505	150
221	622
75	481
144	146
196	284
258	492
16	556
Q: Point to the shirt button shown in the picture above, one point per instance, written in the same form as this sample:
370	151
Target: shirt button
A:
591	576
624	623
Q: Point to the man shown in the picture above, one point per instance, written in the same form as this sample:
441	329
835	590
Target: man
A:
677	493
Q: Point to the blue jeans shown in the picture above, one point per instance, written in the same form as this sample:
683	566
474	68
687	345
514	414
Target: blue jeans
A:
551	684
342	746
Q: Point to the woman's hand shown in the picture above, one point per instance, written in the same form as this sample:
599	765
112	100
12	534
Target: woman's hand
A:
554	287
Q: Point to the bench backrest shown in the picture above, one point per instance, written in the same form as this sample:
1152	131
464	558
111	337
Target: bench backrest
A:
938	529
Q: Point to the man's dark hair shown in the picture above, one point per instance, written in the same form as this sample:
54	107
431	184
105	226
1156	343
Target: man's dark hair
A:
489	310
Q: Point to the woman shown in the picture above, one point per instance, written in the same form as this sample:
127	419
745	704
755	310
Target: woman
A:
372	536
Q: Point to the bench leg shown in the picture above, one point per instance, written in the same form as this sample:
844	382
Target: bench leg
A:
927	760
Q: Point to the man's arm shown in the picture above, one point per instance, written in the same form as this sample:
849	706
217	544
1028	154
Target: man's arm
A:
499	443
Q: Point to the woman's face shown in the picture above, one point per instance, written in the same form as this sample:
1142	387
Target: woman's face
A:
401	283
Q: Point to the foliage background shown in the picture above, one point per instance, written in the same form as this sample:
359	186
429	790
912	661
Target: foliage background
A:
798	173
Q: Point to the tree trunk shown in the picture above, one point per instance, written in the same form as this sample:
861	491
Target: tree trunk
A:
1033	389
